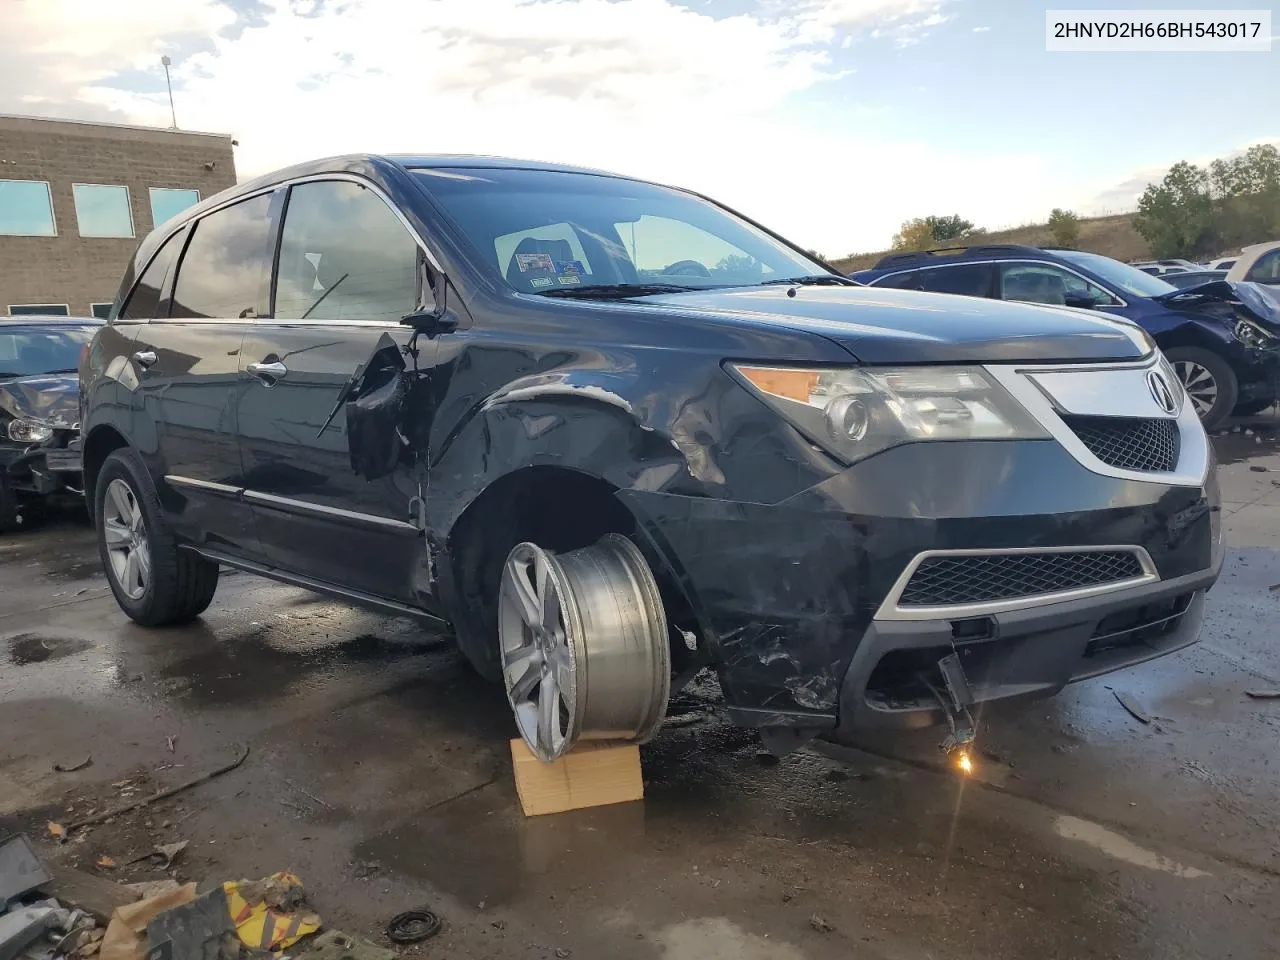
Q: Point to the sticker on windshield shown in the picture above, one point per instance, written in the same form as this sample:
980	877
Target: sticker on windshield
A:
569	280
539	282
535	261
569	268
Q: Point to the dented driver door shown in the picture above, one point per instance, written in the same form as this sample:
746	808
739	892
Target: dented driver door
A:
327	387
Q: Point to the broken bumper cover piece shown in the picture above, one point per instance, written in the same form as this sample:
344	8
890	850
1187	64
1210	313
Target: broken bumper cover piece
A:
794	598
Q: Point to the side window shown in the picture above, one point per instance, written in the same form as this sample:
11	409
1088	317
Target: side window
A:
901	281
344	255
1047	283
542	257
145	299
227	267
965	279
1267	269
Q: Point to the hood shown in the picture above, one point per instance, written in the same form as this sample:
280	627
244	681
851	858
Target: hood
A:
1260	301
50	398
879	325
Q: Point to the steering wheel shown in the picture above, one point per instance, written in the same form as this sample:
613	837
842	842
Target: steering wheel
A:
686	268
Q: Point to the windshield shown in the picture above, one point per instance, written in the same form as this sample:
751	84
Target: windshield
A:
546	230
1129	279
26	351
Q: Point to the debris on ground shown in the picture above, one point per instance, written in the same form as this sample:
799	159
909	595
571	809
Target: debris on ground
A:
413	926
1130	704
146	889
1263	694
73	767
162	795
819	924
57	831
41	929
20	870
1257	468
1274	587
269	914
336	945
126	936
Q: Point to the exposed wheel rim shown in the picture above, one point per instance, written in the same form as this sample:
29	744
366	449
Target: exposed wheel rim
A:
1200	384
125	534
584	645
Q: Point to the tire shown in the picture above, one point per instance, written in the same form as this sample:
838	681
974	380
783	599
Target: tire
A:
177	585
1209	381
1250	407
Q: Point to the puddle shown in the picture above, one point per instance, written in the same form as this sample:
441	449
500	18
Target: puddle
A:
715	938
1248	440
28	648
482	849
1121	847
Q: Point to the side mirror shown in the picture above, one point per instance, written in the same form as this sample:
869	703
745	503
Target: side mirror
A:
432	315
1080	300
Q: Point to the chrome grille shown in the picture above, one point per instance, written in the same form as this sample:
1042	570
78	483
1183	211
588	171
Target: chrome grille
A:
982	578
1130	443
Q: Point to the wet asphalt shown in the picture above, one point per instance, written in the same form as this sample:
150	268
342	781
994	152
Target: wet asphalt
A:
379	771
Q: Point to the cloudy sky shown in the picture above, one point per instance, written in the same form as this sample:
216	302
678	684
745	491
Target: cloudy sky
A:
829	120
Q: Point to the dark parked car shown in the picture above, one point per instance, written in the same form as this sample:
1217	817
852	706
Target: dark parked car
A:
1226	353
40	413
615	433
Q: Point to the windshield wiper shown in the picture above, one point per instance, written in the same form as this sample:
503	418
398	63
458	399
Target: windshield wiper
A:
616	291
818	280
68	370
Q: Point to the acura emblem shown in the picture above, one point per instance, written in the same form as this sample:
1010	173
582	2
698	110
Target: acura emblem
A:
1161	392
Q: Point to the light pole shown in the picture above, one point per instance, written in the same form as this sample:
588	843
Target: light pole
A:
165	61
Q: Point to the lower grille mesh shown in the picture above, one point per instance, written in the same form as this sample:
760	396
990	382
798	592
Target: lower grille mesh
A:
982	578
1130	443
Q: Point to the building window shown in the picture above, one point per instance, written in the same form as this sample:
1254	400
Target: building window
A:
167	203
39	309
103	211
100	310
26	209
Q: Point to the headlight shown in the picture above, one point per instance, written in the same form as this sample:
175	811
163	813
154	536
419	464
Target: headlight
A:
854	413
28	431
1252	335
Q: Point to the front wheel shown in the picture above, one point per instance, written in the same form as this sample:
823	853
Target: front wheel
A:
1209	382
583	640
155	582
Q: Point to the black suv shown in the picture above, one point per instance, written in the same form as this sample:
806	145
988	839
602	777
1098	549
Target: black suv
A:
1222	339
614	433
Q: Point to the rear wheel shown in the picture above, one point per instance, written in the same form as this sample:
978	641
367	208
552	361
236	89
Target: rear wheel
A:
155	582
1209	381
583	641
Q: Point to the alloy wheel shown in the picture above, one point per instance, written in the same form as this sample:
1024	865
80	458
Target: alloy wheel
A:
125	533
1199	383
584	645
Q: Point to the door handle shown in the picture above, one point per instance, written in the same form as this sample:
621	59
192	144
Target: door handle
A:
145	358
268	373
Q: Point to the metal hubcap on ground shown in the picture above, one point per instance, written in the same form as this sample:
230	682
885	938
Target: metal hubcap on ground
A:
1201	387
584	645
126	537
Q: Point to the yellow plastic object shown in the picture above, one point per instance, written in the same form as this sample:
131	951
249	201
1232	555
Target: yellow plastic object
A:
258	912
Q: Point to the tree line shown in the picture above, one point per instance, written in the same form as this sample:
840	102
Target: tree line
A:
1194	212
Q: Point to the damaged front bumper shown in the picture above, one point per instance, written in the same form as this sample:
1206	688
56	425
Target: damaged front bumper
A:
797	606
51	469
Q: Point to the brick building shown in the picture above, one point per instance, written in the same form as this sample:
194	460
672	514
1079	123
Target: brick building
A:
76	198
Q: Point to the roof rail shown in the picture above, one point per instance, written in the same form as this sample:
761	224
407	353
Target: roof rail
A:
895	259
